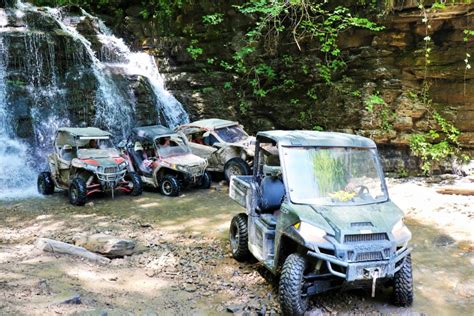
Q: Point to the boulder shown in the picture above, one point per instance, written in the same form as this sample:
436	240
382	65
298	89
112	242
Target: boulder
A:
109	246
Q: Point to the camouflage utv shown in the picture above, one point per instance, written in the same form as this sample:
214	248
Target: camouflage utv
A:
85	162
225	145
318	214
164	160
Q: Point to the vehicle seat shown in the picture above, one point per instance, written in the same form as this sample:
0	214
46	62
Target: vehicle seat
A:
137	158
67	154
270	194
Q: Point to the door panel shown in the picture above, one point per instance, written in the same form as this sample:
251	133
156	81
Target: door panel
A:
202	151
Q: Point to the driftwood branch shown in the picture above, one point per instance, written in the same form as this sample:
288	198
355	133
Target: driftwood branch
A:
456	190
54	246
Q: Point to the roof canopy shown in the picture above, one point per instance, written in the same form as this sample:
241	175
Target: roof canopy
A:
84	131
210	124
149	133
312	138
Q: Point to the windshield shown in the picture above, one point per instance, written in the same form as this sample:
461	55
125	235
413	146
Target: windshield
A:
96	148
171	145
333	176
231	134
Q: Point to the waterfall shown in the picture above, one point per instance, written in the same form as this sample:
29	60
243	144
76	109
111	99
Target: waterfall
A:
114	109
118	54
17	178
53	74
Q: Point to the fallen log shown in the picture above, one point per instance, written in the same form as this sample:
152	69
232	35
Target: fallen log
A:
54	246
456	190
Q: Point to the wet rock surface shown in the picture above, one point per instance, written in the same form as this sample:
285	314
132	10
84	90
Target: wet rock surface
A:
106	245
186	266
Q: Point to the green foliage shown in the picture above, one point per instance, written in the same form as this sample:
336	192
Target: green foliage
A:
311	93
402	173
193	50
372	101
304	20
213	19
211	61
329	171
17	82
207	90
356	93
438	5
434	146
227	85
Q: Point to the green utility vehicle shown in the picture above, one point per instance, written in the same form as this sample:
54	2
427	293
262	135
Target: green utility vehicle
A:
318	214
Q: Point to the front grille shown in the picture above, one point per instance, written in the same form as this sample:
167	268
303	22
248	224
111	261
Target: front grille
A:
362	224
195	170
111	174
369	256
365	237
110	170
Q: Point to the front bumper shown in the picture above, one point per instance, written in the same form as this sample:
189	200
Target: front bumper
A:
353	271
111	179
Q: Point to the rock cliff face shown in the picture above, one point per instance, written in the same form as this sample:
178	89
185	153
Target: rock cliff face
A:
389	64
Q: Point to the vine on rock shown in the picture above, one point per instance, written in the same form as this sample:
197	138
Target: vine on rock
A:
441	143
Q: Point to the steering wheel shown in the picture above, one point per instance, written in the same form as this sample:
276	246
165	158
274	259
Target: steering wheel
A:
360	189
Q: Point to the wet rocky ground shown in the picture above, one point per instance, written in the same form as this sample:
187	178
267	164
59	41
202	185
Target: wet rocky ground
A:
184	265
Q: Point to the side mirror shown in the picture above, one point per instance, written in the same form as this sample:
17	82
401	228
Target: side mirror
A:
206	134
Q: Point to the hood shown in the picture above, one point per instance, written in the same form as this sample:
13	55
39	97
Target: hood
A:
361	219
107	162
248	144
185	160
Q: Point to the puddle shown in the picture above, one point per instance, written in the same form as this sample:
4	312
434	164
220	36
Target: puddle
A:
443	273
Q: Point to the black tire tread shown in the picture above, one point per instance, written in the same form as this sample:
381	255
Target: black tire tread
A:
175	183
137	184
403	284
240	163
290	286
82	192
48	182
242	252
205	181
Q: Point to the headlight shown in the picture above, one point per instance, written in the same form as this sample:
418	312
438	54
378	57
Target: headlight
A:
181	168
401	232
91	168
78	163
123	165
311	233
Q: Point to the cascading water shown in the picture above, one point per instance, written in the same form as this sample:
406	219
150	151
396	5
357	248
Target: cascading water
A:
117	54
54	73
15	170
114	108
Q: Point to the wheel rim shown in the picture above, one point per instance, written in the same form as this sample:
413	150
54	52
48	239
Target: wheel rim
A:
233	171
167	187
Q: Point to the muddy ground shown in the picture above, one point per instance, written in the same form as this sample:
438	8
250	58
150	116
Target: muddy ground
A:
185	267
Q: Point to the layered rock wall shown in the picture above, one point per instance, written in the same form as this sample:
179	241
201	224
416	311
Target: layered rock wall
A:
390	64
